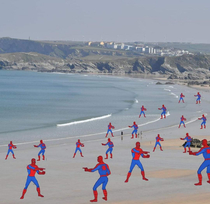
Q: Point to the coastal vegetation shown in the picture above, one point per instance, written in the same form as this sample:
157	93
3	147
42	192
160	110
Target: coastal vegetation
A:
76	57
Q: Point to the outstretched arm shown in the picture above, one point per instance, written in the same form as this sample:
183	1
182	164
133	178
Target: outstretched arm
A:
91	169
14	146
192	153
40	169
146	156
197	153
145	152
36	168
86	169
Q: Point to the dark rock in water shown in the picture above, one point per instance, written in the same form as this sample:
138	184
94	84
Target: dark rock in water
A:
196	143
206	82
158	83
193	83
173	76
168	82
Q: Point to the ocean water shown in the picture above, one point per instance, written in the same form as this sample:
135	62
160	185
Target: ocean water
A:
52	106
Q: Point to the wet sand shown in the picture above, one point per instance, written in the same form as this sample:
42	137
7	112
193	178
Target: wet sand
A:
171	173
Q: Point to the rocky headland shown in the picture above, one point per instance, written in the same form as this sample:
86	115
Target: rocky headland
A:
70	58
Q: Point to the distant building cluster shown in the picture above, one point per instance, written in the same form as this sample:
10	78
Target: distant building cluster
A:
140	48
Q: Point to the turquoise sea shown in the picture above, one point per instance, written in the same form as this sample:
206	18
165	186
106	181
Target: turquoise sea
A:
48	106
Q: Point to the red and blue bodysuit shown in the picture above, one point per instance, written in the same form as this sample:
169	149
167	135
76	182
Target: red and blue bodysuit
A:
32	170
188	143
142	111
10	146
182	119
135	126
198	100
136	153
43	147
204	121
181	98
104	171
206	155
78	144
110	149
42	151
110	130
205	150
163	111
158	139
135	161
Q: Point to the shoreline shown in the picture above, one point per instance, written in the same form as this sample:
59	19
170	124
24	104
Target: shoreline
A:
171	173
161	78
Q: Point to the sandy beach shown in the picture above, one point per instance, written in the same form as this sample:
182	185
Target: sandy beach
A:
171	173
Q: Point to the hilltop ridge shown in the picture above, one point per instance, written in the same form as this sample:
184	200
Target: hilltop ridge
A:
75	57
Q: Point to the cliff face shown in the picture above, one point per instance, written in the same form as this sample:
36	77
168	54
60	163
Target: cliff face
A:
77	58
184	67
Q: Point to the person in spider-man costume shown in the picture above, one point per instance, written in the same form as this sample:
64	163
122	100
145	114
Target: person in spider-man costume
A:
110	130
158	139
78	144
32	170
164	111
181	97
136	153
204	121
188	143
104	171
182	121
135	126
10	146
42	151
198	100
110	149
205	150
142	111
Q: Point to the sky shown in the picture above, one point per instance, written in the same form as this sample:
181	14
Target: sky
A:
107	20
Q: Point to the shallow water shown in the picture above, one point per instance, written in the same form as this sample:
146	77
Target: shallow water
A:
33	104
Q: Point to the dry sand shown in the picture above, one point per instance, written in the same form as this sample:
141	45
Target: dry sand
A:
171	173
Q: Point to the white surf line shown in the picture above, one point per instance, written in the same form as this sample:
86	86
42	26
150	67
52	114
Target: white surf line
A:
57	139
153	114
153	121
191	121
81	136
174	95
84	121
167	90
